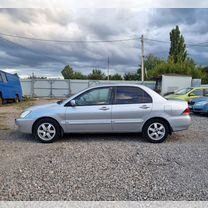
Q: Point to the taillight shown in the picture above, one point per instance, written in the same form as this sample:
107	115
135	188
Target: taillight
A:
187	111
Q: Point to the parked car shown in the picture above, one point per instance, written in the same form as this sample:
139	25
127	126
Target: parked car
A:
199	105
111	108
10	87
188	94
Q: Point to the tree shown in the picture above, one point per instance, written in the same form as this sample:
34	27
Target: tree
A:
67	72
96	75
131	76
36	77
177	53
79	75
185	68
151	62
116	77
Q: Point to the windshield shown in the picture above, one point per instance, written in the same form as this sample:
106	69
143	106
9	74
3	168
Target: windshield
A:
183	91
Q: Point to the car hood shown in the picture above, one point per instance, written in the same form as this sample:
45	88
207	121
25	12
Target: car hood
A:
47	106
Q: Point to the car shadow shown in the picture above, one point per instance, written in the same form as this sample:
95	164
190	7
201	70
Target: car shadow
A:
107	137
93	137
84	137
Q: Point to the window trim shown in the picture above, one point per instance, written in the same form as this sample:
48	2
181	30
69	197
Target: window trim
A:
114	93
87	91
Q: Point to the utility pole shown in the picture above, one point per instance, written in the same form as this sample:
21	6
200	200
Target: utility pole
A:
108	68
142	58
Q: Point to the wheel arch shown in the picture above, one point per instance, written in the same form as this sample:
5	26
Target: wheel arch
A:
47	117
170	130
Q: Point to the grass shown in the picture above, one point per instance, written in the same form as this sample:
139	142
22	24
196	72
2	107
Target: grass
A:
21	105
4	127
3	114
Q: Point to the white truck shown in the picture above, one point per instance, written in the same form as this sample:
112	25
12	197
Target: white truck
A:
168	83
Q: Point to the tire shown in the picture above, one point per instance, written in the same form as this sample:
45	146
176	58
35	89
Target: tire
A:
17	100
156	130
1	101
46	130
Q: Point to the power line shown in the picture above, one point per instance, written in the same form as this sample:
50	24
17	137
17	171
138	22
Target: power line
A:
202	44
69	41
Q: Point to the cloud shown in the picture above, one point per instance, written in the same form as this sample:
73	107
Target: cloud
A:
44	57
104	4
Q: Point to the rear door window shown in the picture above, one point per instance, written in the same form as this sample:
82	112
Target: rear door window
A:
131	95
198	92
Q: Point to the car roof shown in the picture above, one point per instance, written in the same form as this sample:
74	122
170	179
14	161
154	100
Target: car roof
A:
118	85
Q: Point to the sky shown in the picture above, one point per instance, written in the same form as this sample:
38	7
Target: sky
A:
48	58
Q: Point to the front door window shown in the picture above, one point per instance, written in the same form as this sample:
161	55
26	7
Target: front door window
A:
100	96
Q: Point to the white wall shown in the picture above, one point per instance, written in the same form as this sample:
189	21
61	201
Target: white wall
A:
65	88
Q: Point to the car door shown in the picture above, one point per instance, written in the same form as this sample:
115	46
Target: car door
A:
91	113
129	108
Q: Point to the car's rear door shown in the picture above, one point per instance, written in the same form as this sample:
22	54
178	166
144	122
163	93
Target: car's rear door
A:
129	108
92	112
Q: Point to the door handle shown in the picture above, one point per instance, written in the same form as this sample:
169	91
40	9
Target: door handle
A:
144	107
104	108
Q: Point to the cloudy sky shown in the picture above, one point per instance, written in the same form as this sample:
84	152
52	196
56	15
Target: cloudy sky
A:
48	58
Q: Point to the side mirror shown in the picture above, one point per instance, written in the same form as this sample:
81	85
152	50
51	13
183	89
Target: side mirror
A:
73	103
191	94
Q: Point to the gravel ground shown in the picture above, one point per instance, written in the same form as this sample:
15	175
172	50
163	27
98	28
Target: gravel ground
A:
105	166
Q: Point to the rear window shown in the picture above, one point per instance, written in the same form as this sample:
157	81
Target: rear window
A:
131	95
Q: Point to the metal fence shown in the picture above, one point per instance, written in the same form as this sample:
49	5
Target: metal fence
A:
64	88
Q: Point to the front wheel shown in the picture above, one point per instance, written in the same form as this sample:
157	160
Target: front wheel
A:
156	130
17	100
1	100
46	130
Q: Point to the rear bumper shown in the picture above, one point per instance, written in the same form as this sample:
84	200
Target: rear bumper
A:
24	125
180	123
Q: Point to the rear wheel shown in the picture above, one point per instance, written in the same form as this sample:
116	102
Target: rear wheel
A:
46	130
156	130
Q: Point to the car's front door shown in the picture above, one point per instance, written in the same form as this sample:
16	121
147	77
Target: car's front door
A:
91	113
130	106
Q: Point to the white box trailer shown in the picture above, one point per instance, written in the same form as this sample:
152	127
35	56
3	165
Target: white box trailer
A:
167	83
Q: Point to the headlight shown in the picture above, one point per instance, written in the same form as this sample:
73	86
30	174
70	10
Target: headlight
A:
24	114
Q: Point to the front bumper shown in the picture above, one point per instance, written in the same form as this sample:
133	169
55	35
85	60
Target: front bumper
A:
24	125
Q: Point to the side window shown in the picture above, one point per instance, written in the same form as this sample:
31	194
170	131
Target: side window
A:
205	92
1	80
131	95
198	92
4	78
100	96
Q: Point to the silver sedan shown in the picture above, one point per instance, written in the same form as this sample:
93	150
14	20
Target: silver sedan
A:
109	108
